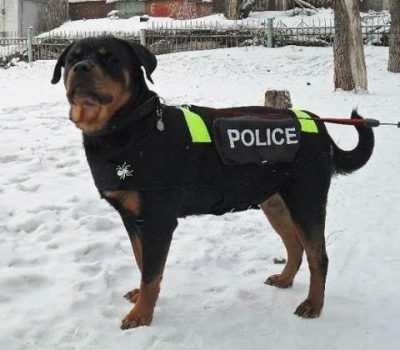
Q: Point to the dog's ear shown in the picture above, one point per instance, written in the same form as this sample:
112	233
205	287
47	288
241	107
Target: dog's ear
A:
146	59
60	63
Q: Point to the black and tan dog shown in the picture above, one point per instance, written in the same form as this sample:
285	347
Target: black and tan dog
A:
155	163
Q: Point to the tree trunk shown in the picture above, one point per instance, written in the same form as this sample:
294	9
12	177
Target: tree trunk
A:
285	5
231	9
394	42
348	48
219	6
53	15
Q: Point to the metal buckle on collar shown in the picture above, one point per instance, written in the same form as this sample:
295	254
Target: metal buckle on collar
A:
160	123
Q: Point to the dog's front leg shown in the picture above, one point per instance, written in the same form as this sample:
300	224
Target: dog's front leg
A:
150	219
155	240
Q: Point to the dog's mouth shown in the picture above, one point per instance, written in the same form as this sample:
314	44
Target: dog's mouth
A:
89	107
88	97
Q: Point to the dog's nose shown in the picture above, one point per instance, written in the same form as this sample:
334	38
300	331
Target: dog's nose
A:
83	67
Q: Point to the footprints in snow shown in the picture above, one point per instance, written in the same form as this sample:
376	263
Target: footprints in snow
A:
35	151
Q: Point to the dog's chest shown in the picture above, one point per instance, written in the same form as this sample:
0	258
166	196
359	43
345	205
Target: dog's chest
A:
139	158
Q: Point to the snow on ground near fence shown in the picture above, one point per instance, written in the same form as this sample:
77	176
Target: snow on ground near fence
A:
66	261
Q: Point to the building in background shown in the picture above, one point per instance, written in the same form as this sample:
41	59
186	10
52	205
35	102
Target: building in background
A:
375	5
186	9
88	9
179	9
17	15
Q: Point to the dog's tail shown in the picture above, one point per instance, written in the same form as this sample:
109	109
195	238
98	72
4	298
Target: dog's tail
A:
345	162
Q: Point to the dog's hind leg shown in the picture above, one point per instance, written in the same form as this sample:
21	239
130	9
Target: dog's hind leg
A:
281	220
312	238
306	200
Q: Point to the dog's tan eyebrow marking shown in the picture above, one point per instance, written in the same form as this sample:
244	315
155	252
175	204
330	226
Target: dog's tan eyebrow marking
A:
127	77
78	51
103	51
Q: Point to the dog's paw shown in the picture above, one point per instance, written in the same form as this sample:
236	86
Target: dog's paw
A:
132	296
135	319
307	310
278	281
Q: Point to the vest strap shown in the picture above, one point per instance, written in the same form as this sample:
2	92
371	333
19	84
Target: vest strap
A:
306	122
197	128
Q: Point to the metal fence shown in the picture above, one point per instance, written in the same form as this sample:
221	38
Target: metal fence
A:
375	31
13	47
49	47
167	38
279	5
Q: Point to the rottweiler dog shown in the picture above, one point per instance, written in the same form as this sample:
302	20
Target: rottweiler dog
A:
156	163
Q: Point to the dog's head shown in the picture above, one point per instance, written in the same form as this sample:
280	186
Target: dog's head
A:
101	75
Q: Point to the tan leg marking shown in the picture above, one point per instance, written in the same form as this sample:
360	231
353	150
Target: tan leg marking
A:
142	313
312	306
130	202
133	295
279	216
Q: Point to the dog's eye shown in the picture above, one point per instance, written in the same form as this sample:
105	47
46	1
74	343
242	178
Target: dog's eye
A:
109	58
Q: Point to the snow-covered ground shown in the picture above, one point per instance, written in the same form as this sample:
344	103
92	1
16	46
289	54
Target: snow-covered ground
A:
66	261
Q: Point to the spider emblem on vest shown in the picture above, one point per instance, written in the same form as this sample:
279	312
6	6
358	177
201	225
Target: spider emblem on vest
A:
124	170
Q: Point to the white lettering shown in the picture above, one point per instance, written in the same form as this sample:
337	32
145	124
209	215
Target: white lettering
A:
250	142
269	137
274	139
234	136
291	136
249	137
258	141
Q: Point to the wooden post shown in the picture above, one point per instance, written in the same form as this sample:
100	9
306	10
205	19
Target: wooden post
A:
270	31
279	99
29	35
142	36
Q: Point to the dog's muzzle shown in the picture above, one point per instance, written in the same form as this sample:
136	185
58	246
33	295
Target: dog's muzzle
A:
90	96
83	86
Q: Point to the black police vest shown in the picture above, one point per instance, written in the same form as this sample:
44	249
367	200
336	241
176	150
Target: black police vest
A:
142	156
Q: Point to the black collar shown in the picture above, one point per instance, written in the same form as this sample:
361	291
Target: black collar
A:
127	116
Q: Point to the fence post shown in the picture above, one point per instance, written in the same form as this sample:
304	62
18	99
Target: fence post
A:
270	31
142	36
29	33
278	99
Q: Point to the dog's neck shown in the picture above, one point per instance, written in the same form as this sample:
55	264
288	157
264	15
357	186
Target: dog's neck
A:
138	108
